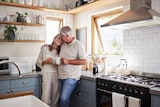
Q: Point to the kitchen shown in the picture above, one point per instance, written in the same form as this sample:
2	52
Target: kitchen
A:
140	44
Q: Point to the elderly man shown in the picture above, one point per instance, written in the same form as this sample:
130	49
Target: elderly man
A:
73	56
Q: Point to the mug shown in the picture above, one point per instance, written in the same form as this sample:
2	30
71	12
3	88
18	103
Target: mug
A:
58	60
7	18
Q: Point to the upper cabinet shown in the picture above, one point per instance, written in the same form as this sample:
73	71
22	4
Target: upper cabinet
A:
77	9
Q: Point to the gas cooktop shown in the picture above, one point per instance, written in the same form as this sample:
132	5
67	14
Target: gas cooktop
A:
133	79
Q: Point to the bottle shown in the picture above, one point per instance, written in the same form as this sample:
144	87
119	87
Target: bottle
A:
95	69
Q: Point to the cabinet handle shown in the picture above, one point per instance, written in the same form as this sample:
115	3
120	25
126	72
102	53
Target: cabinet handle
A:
79	82
78	93
12	91
8	91
25	82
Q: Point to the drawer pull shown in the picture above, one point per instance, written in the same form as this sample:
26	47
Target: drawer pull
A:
12	91
78	93
8	91
25	82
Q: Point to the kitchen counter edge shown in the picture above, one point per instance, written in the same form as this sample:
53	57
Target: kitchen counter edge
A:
84	75
16	76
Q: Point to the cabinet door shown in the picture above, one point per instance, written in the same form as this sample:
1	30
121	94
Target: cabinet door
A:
4	87
84	94
155	101
27	84
36	90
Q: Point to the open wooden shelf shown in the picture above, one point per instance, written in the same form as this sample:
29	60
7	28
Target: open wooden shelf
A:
2	40
96	4
82	8
20	23
32	7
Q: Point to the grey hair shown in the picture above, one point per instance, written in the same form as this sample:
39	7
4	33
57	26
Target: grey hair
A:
66	30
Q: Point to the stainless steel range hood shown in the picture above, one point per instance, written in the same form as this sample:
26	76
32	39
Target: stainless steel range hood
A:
140	14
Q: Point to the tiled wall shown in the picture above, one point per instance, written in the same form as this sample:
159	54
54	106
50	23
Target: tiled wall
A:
142	49
142	46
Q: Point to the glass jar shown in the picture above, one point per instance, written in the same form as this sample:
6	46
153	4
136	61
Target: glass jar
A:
13	1
35	2
21	1
28	2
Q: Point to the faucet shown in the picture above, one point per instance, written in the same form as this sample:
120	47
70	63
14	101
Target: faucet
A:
2	62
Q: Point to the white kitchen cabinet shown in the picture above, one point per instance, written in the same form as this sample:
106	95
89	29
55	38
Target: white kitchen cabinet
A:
20	85
84	94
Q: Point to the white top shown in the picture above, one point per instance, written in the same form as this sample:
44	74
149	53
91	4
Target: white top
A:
74	50
43	55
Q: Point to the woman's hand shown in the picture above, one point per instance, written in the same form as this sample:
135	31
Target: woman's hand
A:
47	61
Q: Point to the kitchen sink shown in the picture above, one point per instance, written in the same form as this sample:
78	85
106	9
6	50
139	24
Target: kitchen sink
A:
23	101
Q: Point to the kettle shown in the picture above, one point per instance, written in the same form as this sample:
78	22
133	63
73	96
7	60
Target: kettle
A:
95	69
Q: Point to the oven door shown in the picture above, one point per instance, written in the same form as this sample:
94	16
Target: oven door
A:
104	98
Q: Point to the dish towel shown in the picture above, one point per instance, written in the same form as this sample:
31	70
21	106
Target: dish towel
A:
134	102
118	100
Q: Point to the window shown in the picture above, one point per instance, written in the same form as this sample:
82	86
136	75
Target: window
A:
53	26
106	40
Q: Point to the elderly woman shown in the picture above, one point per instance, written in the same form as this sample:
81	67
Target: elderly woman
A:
46	61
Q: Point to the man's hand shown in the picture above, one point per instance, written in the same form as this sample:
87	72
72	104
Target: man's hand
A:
65	61
74	61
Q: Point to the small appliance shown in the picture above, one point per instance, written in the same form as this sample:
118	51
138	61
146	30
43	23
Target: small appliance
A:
4	68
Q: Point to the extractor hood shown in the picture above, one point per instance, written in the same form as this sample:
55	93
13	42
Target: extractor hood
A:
140	14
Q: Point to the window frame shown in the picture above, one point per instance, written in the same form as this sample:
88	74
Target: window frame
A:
94	26
52	18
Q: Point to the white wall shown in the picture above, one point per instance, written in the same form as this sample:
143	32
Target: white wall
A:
141	45
15	49
142	48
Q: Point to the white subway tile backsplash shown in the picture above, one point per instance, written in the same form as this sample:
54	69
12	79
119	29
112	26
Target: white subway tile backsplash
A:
142	48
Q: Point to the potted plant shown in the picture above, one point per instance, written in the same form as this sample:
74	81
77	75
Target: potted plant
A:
9	32
21	17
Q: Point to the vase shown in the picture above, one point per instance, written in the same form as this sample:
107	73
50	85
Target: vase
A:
11	35
27	19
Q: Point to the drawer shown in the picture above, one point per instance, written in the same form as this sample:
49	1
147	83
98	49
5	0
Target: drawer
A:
36	90
4	91
25	82
4	84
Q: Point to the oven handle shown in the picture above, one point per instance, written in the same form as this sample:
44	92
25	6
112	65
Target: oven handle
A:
111	93
104	91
